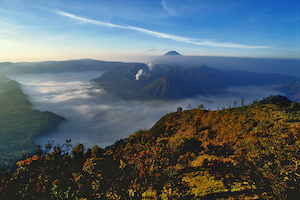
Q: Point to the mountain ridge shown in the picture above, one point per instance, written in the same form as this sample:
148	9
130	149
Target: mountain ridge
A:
202	80
257	65
57	66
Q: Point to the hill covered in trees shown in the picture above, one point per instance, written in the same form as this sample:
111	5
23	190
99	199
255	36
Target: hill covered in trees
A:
246	152
19	123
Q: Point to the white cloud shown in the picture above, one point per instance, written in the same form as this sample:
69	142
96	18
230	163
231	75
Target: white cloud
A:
162	35
166	8
149	50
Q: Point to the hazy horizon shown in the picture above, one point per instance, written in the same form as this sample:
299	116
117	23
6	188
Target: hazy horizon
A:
139	59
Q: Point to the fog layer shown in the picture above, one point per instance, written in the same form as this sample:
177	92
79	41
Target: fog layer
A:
95	117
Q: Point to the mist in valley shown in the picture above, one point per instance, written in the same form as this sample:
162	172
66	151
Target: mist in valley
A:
96	117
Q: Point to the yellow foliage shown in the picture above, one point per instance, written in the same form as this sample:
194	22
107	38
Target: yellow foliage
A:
200	159
149	194
202	183
95	185
169	192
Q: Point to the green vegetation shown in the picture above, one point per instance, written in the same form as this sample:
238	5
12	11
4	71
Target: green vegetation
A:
19	124
246	152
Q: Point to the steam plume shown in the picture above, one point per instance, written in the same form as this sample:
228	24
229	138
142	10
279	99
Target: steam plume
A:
139	74
150	66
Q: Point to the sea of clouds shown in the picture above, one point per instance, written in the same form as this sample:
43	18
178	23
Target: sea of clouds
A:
95	117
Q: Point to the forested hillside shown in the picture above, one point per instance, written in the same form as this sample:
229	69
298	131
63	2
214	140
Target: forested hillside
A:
19	123
245	152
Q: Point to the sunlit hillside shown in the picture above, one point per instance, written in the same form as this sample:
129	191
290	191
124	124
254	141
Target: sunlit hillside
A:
244	152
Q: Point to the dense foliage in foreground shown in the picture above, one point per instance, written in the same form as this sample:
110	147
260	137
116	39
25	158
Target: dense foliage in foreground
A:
242	152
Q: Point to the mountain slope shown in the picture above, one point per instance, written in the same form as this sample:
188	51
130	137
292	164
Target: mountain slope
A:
249	152
166	88
291	90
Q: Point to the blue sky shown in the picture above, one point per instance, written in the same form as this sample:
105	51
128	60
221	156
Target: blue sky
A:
134	30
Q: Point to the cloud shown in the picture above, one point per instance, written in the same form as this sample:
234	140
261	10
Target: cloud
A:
11	28
149	50
162	35
166	8
102	119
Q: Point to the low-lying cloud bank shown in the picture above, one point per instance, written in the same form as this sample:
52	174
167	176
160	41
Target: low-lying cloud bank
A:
94	117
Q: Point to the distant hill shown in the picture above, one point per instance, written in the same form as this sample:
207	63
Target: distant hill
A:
57	66
19	123
291	90
138	81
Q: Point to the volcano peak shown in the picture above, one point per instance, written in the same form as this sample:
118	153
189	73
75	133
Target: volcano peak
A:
172	53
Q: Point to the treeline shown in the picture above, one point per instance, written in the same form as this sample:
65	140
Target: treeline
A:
244	152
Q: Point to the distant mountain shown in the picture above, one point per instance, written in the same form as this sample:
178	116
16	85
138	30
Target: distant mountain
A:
122	81
257	65
138	81
291	90
57	66
172	53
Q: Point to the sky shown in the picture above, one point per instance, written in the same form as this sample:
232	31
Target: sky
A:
138	30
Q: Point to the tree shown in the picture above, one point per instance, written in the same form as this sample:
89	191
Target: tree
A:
201	106
179	109
234	104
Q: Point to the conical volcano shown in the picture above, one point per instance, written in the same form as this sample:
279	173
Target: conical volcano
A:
172	53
